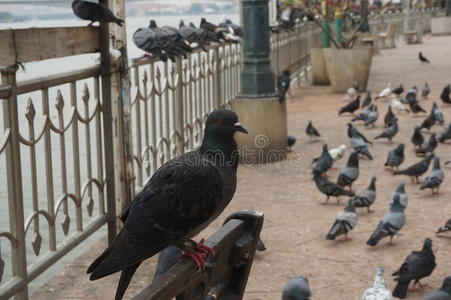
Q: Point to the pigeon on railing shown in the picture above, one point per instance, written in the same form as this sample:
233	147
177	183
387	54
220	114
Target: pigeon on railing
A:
94	12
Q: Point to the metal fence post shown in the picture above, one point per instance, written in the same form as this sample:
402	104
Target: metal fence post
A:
14	182
179	107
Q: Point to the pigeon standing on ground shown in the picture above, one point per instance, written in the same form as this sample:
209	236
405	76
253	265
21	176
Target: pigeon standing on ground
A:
167	258
422	58
350	173
378	291
395	157
443	293
296	289
438	113
389	117
363	115
434	178
417	138
415	107
324	162
446	227
429	121
385	93
418	265
329	188
94	12
426	91
445	134
397	105
311	131
179	201
352	129
391	223
351	107
445	95
367	100
411	95
417	169
398	91
401	192
346	220
428	146
372	117
283	84
366	197
390	132
359	145
291	140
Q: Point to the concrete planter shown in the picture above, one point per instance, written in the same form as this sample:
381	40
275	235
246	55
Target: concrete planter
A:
441	26
319	70
344	66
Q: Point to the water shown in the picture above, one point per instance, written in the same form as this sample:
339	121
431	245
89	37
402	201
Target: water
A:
53	67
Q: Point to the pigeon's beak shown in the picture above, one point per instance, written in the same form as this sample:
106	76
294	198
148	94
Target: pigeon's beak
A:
240	128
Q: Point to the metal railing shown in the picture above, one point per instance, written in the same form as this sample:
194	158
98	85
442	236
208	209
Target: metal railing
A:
61	119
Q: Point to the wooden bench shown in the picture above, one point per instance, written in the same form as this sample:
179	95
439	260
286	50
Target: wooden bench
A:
387	39
414	36
369	40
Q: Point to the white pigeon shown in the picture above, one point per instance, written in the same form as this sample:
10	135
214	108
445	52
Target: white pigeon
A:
352	91
338	152
385	93
378	291
397	105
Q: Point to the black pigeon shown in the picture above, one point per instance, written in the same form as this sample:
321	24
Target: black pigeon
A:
179	41
415	107
329	188
395	157
283	84
168	44
389	117
167	258
417	138
422	58
445	95
351	107
417	169
411	95
311	131
209	26
426	90
324	162
94	12
148	40
350	173
446	227
429	121
206	36
367	100
291	140
428	146
418	265
446	134
399	90
443	293
179	201
296	289
191	35
353	129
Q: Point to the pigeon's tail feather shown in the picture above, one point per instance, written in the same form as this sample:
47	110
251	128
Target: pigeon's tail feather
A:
400	290
126	277
375	237
443	229
260	245
118	21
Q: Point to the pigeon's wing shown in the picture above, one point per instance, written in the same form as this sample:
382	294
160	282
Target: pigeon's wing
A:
437	295
86	10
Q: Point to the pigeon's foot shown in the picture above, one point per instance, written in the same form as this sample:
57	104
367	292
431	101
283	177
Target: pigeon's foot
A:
197	257
205	249
347	238
198	252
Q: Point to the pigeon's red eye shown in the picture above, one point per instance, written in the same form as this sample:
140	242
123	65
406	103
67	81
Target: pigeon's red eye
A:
221	122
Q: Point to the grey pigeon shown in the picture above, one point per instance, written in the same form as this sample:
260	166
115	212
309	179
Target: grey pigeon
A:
445	95
443	293
417	138
351	107
438	113
324	162
283	84
395	157
366	197
378	291
346	220
367	100
191	35
94	12
311	131
391	223
329	188
206	35
445	134
403	197
179	201
429	121
417	169
167	258
426	90
389	117
170	40
390	132
296	289
446	227
363	115
428	146
434	178
411	96
359	145
372	117
350	173
418	265
353	129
